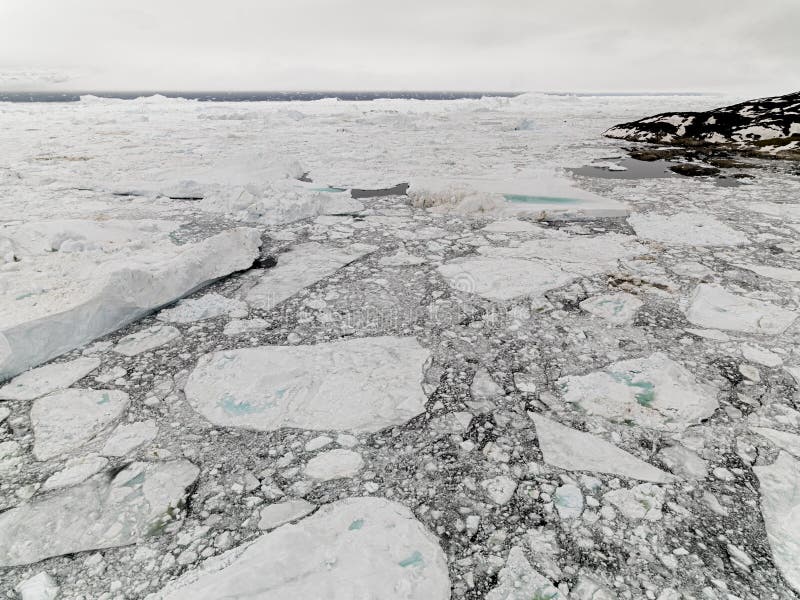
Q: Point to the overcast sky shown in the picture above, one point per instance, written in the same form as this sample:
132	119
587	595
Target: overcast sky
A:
738	46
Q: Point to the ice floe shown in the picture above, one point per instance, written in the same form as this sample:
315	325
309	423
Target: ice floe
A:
334	464
353	548
278	514
578	451
362	384
147	339
617	309
300	267
127	437
75	471
39	587
780	489
779	273
643	501
654	392
693	229
44	316
106	511
49	378
204	307
784	440
518	580
65	420
713	306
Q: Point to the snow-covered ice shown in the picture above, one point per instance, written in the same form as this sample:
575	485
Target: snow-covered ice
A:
127	437
713	306
696	229
334	464
49	378
147	339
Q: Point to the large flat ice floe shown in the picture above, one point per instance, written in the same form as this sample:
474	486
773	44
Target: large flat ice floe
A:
107	511
654	392
303	265
353	548
578	451
49	378
363	384
713	306
58	301
780	506
693	229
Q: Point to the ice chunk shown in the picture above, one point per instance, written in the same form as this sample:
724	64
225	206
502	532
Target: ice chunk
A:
334	464
237	326
499	489
146	340
362	384
49	378
518	580
761	356
38	327
275	515
569	501
643	501
617	309
503	279
204	307
401	259
577	451
68	419
77	470
128	437
39	587
780	507
300	267
683	462
353	548
107	511
652	392
693	229
713	306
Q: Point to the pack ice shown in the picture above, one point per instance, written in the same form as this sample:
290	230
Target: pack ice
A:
713	306
363	384
59	300
694	229
106	511
353	548
653	392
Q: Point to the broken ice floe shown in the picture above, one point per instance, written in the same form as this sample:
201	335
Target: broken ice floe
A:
713	306
653	392
65	420
780	507
362	384
518	580
106	511
49	378
617	309
353	548
683	462
643	501
577	451
694	229
75	471
204	307
68	305
146	340
301	267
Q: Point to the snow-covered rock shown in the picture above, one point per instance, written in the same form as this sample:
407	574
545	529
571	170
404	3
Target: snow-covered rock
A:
334	464
693	229
713	306
780	506
278	514
146	340
104	512
41	324
49	378
578	451
353	548
300	267
65	420
653	392
363	384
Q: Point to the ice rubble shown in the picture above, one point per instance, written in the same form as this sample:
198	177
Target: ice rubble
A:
713	306
300	267
353	548
42	318
362	384
780	507
65	420
49	378
653	392
106	511
145	340
577	451
694	229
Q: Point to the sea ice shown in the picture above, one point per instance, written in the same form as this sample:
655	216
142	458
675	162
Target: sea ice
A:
780	507
237	326
569	501
353	548
779	273
300	267
49	378
50	318
65	420
146	340
39	587
713	306
106	511
617	309
578	451
653	392
127	437
278	514
334	464
499	489
784	440
75	471
683	462
518	580
693	229
643	501
362	384
204	307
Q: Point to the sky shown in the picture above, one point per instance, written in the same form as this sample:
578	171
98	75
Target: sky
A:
734	46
